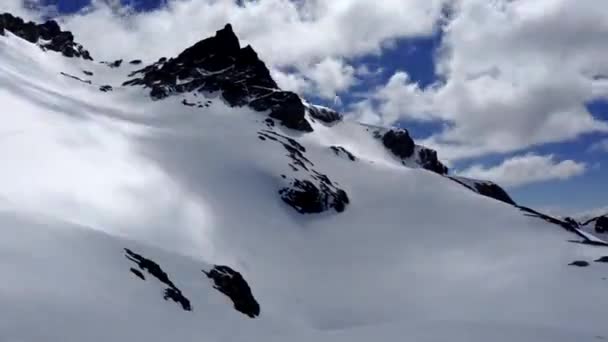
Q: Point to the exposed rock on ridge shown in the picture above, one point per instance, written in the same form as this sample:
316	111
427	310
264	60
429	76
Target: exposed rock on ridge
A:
232	284
48	36
219	64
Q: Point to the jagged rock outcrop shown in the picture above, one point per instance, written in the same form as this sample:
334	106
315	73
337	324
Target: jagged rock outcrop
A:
324	114
342	152
219	64
154	269
485	188
306	197
48	36
601	224
313	192
603	259
428	159
493	190
232	284
399	142
579	263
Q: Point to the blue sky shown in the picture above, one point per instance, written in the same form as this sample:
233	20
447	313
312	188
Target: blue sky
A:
417	55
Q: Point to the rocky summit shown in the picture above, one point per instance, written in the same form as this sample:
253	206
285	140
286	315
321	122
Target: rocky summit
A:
219	64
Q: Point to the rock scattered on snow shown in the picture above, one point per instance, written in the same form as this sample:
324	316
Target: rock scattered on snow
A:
603	259
579	263
115	64
493	190
342	152
232	284
428	159
307	197
171	292
324	114
48	36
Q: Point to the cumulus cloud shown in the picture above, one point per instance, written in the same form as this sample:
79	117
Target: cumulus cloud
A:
514	74
399	98
526	169
312	39
28	9
324	79
600	146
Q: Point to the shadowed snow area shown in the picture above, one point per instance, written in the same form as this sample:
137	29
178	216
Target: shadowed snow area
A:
415	256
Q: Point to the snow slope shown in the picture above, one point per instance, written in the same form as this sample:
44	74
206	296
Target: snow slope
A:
414	256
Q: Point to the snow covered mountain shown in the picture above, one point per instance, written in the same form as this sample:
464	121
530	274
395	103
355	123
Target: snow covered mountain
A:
191	199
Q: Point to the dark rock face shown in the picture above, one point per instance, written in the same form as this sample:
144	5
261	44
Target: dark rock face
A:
137	273
219	64
579	263
48	35
105	88
135	62
171	292
314	194
295	151
342	152
399	142
232	284
488	189
564	224
494	191
307	197
603	259
324	114
284	106
601	224
572	222
428	159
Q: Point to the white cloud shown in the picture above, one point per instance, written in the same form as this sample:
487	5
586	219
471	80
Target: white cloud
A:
313	39
25	9
325	79
398	99
527	169
515	74
295	82
291	32
600	146
331	76
364	70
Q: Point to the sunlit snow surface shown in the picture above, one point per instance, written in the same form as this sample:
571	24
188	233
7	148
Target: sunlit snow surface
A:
415	256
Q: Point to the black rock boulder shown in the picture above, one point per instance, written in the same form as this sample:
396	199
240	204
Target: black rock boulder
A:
232	284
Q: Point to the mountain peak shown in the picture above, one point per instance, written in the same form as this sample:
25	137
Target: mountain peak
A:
219	64
225	43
